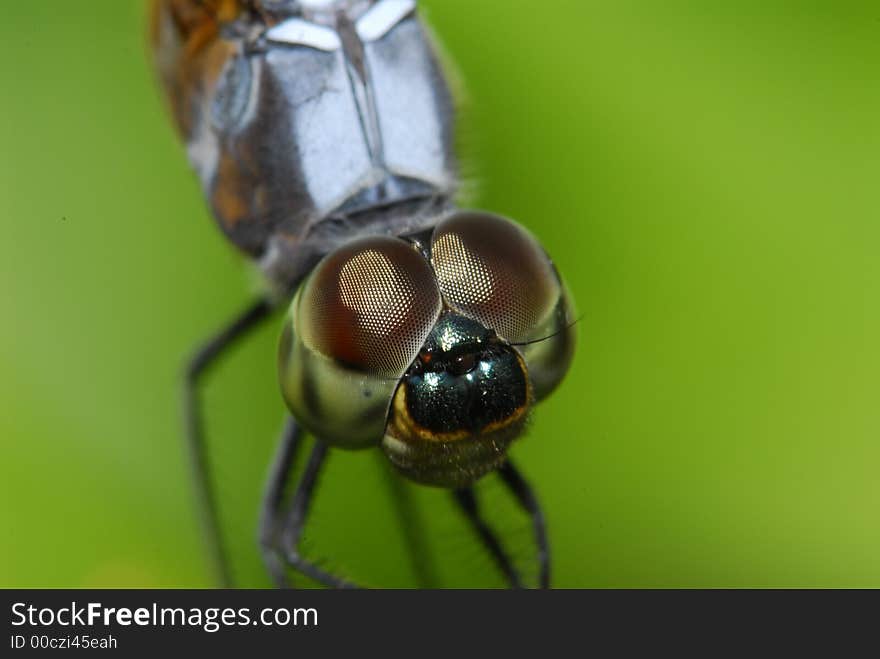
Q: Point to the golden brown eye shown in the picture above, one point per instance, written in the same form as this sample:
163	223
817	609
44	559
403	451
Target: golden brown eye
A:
369	305
493	270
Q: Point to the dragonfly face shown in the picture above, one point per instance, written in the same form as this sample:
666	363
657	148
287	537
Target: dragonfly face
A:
422	345
322	132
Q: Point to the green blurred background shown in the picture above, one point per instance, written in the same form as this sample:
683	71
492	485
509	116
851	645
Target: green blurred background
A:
705	174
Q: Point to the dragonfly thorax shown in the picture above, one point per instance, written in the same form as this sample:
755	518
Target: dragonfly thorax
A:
294	121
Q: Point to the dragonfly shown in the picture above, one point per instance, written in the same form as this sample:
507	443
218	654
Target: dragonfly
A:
322	133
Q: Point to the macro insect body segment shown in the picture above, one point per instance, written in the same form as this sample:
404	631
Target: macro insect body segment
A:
322	133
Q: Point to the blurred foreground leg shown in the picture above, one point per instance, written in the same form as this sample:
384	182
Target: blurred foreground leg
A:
206	356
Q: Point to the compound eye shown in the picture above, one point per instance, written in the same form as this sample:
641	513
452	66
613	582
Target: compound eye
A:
494	271
370	306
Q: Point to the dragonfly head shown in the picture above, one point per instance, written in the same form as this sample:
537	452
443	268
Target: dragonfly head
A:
437	352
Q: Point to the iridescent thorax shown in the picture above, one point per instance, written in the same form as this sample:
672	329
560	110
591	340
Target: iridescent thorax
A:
302	120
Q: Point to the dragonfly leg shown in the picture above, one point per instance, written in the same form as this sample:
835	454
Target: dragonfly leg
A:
467	501
524	494
290	535
204	357
271	514
412	524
